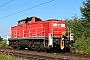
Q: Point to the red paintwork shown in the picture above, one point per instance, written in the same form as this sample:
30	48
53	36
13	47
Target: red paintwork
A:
37	28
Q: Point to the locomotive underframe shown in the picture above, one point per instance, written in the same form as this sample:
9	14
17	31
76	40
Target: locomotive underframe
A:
37	43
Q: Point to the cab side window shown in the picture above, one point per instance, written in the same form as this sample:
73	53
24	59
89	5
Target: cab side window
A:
27	21
21	22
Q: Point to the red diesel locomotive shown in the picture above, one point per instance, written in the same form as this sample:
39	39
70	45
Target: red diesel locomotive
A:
33	33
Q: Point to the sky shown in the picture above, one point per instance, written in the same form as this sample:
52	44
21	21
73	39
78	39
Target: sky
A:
11	12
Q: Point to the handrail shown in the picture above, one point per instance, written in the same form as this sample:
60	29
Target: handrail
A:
35	33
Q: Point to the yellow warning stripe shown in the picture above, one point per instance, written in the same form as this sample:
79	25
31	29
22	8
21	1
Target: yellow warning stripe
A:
62	43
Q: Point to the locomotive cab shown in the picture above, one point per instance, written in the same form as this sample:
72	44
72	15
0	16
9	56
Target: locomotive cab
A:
29	20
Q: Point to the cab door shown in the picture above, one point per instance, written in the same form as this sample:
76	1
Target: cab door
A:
20	29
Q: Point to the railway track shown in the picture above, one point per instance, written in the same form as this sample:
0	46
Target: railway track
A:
29	55
34	55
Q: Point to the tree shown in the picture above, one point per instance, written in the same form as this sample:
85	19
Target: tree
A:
86	14
1	38
86	10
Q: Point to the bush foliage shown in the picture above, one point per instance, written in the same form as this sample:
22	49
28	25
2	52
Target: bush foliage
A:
81	34
81	29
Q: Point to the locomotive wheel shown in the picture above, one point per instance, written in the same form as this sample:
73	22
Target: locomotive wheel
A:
13	47
18	48
49	50
41	47
38	49
67	49
63	51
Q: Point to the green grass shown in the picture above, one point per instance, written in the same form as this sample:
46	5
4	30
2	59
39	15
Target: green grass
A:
3	56
3	44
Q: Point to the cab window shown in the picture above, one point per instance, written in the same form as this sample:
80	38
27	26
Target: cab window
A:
21	22
27	21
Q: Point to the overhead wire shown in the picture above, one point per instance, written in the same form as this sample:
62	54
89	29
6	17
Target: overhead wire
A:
19	5
6	3
28	9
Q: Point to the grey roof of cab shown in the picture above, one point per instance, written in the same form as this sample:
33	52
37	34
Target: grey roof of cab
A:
39	18
23	19
52	20
26	18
